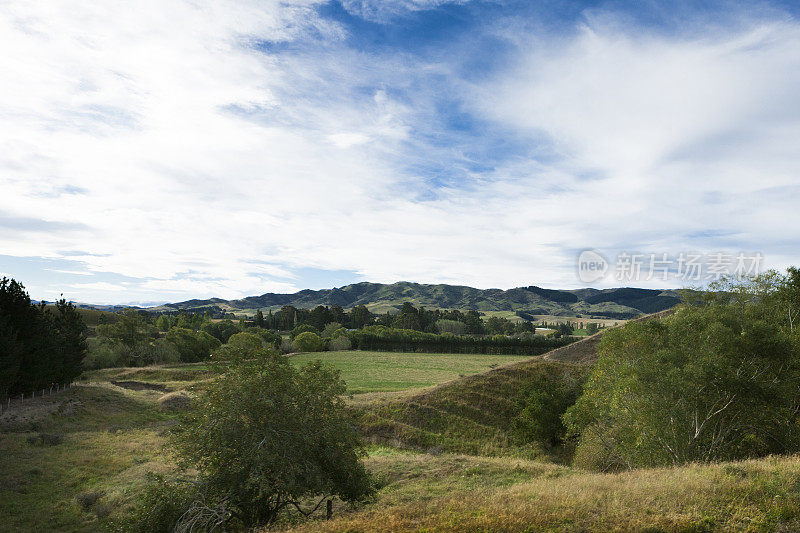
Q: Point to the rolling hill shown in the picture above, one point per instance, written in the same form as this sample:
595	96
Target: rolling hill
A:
620	303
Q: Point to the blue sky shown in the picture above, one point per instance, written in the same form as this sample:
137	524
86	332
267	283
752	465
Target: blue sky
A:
194	148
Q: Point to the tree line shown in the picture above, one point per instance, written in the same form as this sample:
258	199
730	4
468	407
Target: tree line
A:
39	346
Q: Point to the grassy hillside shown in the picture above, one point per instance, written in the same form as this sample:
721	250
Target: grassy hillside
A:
467	493
380	298
472	414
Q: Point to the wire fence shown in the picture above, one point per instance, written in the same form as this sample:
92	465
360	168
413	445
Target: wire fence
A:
7	404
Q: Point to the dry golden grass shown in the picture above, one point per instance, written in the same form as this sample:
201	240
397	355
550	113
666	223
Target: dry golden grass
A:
759	495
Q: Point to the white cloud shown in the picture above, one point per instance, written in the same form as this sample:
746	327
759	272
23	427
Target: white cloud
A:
205	166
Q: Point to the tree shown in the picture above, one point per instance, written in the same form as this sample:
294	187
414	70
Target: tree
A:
246	341
407	318
711	382
192	345
451	326
360	316
71	331
131	329
330	328
308	342
163	323
38	346
222	330
259	319
546	397
268	437
302	329
473	321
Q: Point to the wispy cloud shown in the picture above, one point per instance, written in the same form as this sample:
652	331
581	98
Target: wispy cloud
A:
218	148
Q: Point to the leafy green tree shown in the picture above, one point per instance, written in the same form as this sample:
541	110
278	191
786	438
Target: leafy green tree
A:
222	330
192	345
268	437
451	326
474	322
407	318
308	342
162	323
302	329
330	328
524	327
131	329
711	382
246	341
546	398
360	316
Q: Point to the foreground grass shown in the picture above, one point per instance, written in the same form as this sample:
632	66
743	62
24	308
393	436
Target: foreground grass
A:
107	439
462	493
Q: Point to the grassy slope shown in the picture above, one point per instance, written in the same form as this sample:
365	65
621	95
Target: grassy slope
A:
469	415
111	437
465	493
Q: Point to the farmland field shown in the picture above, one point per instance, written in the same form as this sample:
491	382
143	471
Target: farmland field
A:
389	371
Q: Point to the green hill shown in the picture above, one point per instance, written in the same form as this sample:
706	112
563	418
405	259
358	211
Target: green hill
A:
621	303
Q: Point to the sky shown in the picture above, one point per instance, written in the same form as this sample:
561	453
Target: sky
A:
160	151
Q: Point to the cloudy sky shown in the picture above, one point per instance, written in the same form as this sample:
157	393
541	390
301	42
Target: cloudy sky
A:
158	151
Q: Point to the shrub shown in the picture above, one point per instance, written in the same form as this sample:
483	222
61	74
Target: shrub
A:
715	382
192	346
545	399
308	342
105	353
246	341
339	343
267	436
87	500
221	330
161	504
302	328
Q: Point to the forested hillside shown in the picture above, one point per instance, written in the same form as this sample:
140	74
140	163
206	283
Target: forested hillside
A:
620	303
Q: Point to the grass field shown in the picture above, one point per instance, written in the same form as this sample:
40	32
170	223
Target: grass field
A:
389	371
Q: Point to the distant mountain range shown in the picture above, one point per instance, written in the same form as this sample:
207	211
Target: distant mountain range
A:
620	303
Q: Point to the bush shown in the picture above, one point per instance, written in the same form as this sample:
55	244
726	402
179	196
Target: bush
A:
339	343
161	504
308	342
221	330
192	346
246	341
303	328
105	353
264	438
545	399
715	382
